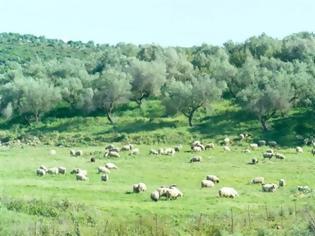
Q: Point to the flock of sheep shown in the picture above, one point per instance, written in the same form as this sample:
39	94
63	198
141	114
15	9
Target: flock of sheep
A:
173	192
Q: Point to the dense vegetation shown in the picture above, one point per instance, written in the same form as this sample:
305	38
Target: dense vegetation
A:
265	77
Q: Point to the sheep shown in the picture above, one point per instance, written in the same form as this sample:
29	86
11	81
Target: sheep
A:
161	151
127	147
207	183
173	193
78	171
140	187
52	152
134	151
242	136
279	156
268	155
299	149
153	152
253	145
81	177
111	166
103	169
304	189
196	149
62	170
43	168
269	187
195	159
40	172
177	148
72	152
209	146
104	177
261	142
228	192
226	141
162	191
258	180
282	183
272	143
53	171
226	148
213	178
254	161
169	151
92	159
155	196
109	147
78	153
195	143
112	154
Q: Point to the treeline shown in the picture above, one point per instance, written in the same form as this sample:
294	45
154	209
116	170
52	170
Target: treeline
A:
265	76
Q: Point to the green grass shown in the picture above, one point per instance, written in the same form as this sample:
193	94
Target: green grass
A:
111	200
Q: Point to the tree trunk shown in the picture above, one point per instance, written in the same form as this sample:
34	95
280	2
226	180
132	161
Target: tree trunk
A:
263	123
190	117
109	117
139	100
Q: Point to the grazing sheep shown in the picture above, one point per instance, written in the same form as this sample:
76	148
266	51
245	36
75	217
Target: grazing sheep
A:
195	159
162	191
178	147
72	152
134	151
140	187
258	180
207	183
299	149
209	146
112	154
226	141
169	151
78	153
62	170
261	142
196	143
53	171
103	169
268	155
197	149
109	147
43	168
304	189
253	145
228	192
242	136
254	161
279	156
40	172
81	177
92	159
161	151
173	193
227	148
213	178
155	196
111	166
153	152
105	177
272	143
269	187
282	183
127	147
78	171
52	152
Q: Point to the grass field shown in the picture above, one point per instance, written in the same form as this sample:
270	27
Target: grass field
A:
60	205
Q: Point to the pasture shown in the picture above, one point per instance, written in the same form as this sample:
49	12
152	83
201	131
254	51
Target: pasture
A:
60	205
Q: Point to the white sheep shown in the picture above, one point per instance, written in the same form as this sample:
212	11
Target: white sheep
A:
53	171
72	152
43	168
213	178
279	156
134	151
269	187
226	148
155	196
207	183
169	151
282	183
62	170
112	154
111	166
81	177
268	155
78	153
40	172
258	180
127	147
52	152
228	192
103	169
105	177
227	141
140	187
253	145
299	149
197	149
153	152
173	193
304	189
209	146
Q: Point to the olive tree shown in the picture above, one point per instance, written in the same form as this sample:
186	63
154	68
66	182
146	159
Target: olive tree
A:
112	89
189	96
147	79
